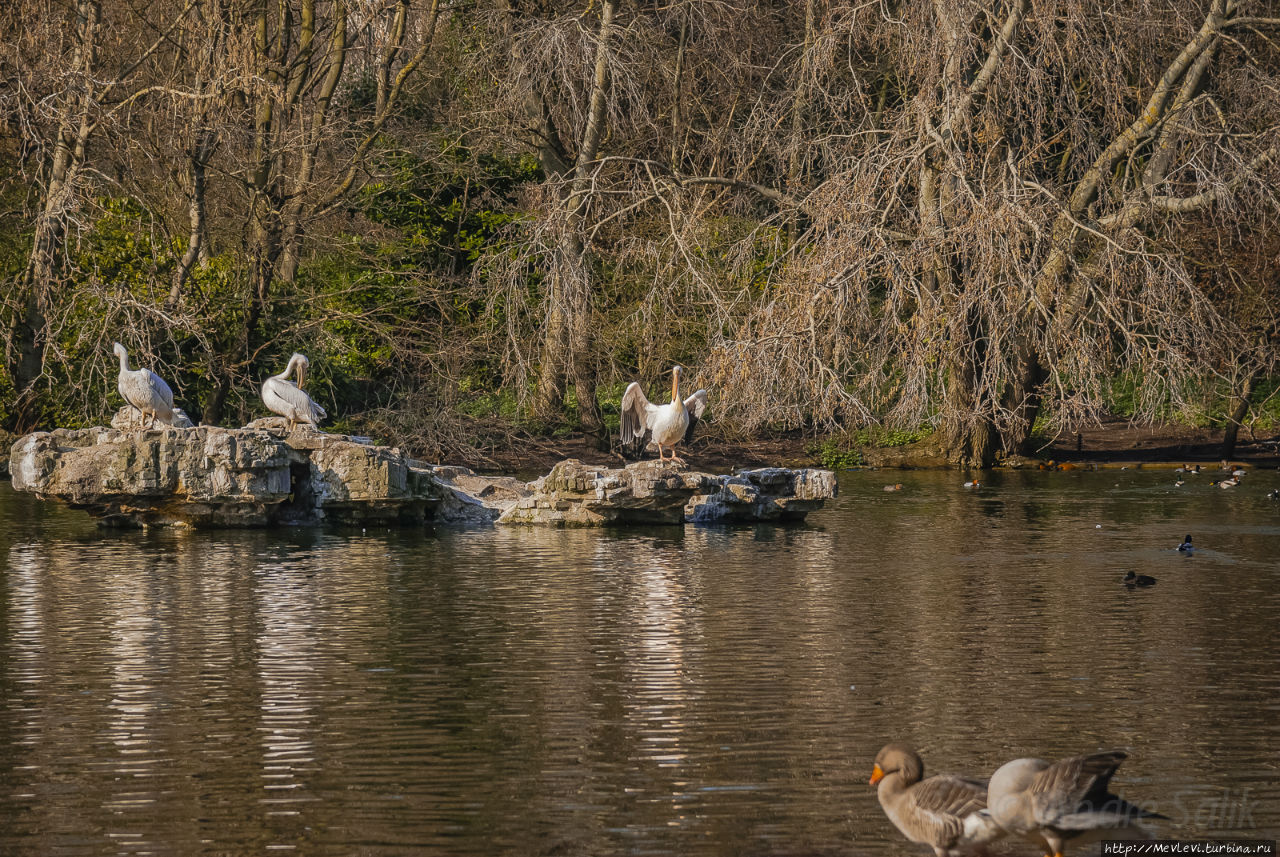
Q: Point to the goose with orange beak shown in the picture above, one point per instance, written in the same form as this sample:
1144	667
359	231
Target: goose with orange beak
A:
946	812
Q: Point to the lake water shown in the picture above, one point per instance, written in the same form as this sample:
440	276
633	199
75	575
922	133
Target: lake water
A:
673	691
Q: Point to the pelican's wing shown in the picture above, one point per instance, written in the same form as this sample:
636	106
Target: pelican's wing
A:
635	413
284	398
159	390
696	405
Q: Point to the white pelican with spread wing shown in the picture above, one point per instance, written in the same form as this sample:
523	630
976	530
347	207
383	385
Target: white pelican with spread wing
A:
670	423
144	390
287	399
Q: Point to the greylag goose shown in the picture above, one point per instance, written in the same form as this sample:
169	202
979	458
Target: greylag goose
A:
144	390
670	423
946	812
287	399
1066	801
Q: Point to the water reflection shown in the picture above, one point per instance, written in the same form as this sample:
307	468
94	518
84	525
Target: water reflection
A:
695	690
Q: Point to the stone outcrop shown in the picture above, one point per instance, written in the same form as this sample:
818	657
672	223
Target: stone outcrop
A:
130	418
262	474
653	492
214	477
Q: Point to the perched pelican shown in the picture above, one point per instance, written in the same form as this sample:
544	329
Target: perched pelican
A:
1066	801
287	399
144	390
946	812
669	424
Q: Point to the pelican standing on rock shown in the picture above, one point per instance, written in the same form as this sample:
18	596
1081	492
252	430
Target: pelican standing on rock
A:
1066	801
670	423
946	812
287	399
144	390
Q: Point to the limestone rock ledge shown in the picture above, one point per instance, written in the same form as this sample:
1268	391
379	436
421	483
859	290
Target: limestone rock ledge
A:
653	492
261	475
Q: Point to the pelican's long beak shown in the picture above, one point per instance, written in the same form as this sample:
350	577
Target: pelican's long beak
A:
302	374
675	383
876	775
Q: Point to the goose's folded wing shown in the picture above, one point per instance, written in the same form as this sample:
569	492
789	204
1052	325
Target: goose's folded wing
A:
1074	787
939	806
950	794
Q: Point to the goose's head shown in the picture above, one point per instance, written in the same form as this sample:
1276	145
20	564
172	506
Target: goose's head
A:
897	759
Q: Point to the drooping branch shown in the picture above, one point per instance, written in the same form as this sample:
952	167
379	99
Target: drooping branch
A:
387	103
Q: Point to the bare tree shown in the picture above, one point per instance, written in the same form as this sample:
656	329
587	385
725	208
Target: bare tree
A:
996	237
74	76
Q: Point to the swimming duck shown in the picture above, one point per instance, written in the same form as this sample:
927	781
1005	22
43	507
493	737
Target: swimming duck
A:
1273	494
1132	579
973	484
897	486
946	812
1229	483
1060	802
1186	546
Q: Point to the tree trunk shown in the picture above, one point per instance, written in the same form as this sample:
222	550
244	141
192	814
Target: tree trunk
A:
44	266
1241	410
1022	398
567	346
548	399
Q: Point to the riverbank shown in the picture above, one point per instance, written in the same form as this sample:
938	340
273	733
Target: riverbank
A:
1115	442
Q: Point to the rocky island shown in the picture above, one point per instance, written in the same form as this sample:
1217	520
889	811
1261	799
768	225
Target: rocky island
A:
264	474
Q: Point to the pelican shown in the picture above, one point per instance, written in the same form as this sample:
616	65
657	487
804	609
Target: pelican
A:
144	390
287	399
669	424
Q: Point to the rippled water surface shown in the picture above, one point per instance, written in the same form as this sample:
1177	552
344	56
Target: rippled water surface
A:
682	691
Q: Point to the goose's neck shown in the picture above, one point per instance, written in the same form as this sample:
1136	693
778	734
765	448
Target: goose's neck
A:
891	785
